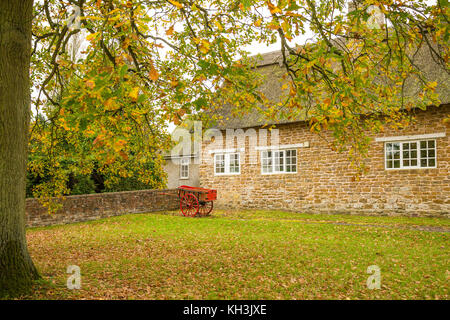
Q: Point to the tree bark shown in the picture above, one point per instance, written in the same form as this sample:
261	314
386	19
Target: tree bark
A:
17	271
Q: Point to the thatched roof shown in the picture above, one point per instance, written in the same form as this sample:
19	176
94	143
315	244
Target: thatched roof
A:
270	66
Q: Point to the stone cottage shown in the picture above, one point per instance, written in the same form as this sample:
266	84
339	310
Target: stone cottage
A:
182	170
408	170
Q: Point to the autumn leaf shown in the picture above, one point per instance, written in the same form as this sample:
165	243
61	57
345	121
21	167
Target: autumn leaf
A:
273	9
134	94
273	25
126	43
218	25
169	31
327	101
154	75
119	144
92	36
90	84
123	155
110	104
98	140
204	46
176	4
432	85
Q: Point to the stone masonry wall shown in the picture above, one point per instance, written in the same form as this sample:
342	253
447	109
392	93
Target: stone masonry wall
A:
101	205
324	182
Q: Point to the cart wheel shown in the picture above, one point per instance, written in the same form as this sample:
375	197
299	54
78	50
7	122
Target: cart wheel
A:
189	205
205	208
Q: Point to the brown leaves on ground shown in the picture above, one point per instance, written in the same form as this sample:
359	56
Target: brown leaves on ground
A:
239	255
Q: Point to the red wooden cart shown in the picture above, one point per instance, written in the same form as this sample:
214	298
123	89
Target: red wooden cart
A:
194	200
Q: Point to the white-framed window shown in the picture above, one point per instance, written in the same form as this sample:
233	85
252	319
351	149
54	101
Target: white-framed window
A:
227	163
184	168
278	161
410	154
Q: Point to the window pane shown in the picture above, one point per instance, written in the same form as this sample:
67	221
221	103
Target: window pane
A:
234	162
184	168
423	162
220	163
266	161
423	144
431	162
431	144
291	160
279	161
396	163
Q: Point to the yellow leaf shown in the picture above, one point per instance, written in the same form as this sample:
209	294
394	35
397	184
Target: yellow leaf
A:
258	23
169	31
273	9
113	11
92	36
176	4
126	43
110	104
204	46
273	25
118	145
218	25
90	84
120	24
154	75
432	85
134	94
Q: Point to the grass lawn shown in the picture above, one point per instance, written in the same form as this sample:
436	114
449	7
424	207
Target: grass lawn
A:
244	255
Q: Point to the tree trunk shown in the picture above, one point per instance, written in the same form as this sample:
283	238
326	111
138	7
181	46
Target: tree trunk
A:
16	268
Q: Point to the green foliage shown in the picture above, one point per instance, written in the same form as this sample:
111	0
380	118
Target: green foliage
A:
83	185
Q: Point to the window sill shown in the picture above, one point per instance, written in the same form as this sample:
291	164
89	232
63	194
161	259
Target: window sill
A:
411	168
273	173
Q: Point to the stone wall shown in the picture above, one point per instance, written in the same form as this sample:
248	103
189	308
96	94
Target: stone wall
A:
325	183
101	205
